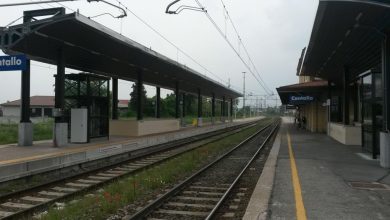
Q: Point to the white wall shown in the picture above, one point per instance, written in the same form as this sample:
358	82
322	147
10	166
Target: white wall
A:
345	134
10	111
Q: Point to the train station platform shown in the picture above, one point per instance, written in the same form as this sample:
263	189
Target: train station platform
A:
311	176
16	161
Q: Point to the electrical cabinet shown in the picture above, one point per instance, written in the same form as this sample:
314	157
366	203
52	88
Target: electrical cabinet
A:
79	125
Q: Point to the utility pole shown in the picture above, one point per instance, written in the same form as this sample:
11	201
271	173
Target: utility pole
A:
243	103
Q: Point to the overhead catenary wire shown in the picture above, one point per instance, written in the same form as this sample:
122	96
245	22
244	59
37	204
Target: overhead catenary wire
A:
158	33
150	27
261	82
170	42
242	43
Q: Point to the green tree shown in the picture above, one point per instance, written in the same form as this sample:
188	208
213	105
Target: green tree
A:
191	105
168	105
133	97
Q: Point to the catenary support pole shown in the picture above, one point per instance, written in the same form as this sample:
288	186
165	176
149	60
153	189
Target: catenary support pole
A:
243	98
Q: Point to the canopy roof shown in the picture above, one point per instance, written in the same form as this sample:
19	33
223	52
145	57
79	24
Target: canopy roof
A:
346	33
91	47
307	88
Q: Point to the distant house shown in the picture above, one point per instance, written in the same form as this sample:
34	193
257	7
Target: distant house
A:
40	106
123	105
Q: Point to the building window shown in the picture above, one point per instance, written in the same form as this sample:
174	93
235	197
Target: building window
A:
35	112
48	112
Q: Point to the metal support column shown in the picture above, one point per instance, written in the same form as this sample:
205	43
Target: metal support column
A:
231	109
158	102
346	96
386	83
199	108
184	105
213	109
25	133
60	137
223	108
59	100
183	110
177	102
385	134
140	106
25	94
114	98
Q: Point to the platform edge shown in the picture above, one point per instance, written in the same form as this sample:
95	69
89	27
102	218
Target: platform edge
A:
258	205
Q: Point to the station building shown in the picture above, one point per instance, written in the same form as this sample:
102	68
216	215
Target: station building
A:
349	49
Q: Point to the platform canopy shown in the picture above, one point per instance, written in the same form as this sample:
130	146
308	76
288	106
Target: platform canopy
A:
346	33
91	47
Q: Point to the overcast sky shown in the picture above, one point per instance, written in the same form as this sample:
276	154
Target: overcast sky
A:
273	31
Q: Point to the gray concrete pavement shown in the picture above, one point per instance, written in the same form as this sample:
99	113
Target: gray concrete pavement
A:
325	169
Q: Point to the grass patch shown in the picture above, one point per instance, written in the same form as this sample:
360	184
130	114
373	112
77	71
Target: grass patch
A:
9	132
129	190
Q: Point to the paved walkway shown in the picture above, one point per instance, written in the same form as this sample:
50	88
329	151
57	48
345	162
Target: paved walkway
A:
11	152
325	170
311	178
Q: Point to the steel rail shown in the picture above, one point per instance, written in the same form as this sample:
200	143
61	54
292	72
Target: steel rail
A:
228	191
189	140
174	144
158	202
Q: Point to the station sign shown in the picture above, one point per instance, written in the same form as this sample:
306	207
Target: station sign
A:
11	63
300	99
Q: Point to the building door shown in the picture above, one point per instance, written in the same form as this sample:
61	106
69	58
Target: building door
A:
371	113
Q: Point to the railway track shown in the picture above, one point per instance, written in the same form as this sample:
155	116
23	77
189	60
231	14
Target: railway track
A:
202	195
26	202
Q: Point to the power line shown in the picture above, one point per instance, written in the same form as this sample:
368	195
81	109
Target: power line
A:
262	83
158	33
242	43
170	42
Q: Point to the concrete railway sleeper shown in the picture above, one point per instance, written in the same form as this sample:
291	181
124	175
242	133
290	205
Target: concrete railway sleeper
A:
201	195
56	175
26	202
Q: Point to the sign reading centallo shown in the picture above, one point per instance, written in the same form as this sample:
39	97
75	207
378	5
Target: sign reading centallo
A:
300	99
10	63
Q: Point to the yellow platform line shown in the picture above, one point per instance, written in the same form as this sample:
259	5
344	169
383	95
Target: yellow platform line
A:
300	208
